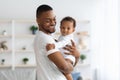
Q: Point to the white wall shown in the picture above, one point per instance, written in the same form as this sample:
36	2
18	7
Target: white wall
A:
80	9
105	40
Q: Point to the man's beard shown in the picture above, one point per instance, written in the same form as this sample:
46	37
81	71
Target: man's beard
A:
49	31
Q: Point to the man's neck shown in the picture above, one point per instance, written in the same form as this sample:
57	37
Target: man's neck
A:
44	31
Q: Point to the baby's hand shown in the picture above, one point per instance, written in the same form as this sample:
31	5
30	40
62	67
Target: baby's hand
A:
50	46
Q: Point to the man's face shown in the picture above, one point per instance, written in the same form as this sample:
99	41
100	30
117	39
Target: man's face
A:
47	22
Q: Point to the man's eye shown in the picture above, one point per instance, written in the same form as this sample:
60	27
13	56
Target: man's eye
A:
47	21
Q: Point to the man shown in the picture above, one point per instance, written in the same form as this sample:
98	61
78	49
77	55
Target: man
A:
50	66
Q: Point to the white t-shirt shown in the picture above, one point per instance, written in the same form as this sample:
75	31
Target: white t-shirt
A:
46	69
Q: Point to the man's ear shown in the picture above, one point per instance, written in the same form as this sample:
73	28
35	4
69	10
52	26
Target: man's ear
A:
37	20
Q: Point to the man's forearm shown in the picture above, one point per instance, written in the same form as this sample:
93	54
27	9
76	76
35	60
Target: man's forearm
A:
68	69
63	65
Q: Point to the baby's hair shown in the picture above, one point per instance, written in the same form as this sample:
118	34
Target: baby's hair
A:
42	8
68	18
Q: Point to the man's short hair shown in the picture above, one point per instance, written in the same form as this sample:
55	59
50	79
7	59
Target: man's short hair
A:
42	8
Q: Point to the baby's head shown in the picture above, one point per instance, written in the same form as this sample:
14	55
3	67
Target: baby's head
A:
67	25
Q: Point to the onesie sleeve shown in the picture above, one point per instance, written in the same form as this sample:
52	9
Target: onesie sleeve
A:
63	42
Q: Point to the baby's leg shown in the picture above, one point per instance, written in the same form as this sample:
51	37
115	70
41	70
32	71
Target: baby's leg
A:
68	60
68	76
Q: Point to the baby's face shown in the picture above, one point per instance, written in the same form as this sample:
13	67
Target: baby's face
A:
67	28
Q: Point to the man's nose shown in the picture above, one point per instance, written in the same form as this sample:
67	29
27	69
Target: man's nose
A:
53	22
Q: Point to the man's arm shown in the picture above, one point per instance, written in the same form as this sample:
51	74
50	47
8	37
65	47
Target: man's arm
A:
60	62
57	58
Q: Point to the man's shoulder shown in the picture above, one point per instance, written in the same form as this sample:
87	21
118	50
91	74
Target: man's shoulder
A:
45	37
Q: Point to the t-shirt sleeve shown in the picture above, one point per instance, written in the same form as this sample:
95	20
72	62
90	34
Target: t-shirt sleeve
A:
50	40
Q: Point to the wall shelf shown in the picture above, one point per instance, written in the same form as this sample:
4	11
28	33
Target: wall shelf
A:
25	65
24	51
18	37
6	51
24	36
5	66
83	65
5	36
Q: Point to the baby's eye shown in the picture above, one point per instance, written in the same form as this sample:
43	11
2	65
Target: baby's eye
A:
68	28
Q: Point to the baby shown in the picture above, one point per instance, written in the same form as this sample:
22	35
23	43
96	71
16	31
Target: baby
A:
67	27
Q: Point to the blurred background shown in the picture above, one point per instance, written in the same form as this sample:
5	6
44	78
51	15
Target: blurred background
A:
97	35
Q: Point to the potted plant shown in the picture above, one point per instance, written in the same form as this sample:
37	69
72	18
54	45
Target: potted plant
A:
2	61
4	32
33	28
25	60
24	48
82	57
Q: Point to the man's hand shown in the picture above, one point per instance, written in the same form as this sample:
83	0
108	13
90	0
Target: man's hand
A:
73	51
50	46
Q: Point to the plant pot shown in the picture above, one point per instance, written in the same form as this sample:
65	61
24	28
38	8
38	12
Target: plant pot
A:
25	62
2	63
34	31
81	61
